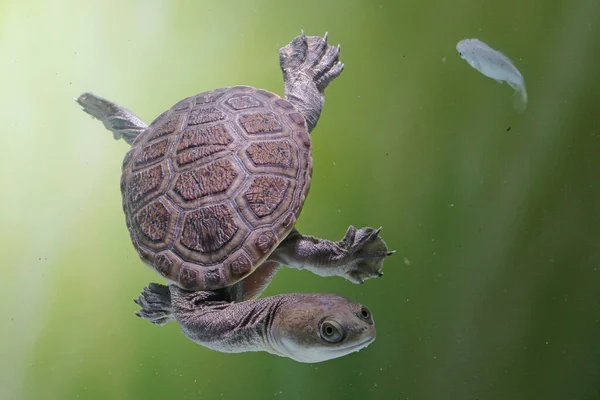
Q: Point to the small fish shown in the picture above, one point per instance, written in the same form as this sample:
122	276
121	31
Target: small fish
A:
495	65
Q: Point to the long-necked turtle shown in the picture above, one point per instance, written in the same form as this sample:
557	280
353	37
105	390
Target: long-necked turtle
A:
211	192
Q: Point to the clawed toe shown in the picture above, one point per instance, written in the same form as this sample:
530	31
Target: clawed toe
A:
327	61
155	318
330	76
317	47
357	239
292	56
150	304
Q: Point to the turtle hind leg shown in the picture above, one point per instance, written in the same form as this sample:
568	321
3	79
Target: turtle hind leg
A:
155	303
309	64
120	121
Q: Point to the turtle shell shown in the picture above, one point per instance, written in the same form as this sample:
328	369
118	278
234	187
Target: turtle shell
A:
215	183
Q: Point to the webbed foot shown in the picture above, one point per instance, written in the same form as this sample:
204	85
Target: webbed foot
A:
121	122
366	251
155	303
311	56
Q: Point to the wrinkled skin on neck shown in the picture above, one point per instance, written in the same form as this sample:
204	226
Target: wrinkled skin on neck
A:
306	327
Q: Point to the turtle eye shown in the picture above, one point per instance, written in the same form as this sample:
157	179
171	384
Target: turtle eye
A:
365	314
331	332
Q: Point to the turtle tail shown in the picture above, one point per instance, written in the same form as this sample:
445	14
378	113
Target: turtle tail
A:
155	303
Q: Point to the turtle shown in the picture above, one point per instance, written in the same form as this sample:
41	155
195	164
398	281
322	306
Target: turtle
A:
211	192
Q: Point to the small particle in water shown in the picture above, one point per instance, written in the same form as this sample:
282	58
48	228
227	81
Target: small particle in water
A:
387	154
508	129
443	59
406	261
450	205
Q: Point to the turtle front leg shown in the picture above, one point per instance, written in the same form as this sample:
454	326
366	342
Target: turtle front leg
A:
357	257
309	64
122	122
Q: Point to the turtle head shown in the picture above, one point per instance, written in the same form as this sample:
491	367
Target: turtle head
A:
317	327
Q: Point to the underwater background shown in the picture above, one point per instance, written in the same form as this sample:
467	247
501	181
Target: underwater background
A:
494	292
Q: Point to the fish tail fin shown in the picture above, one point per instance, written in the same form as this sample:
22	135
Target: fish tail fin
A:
520	99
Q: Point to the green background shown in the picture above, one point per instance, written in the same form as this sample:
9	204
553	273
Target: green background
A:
495	290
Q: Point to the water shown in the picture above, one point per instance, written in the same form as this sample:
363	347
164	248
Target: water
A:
493	293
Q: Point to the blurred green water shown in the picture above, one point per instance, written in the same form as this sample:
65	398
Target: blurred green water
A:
494	292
